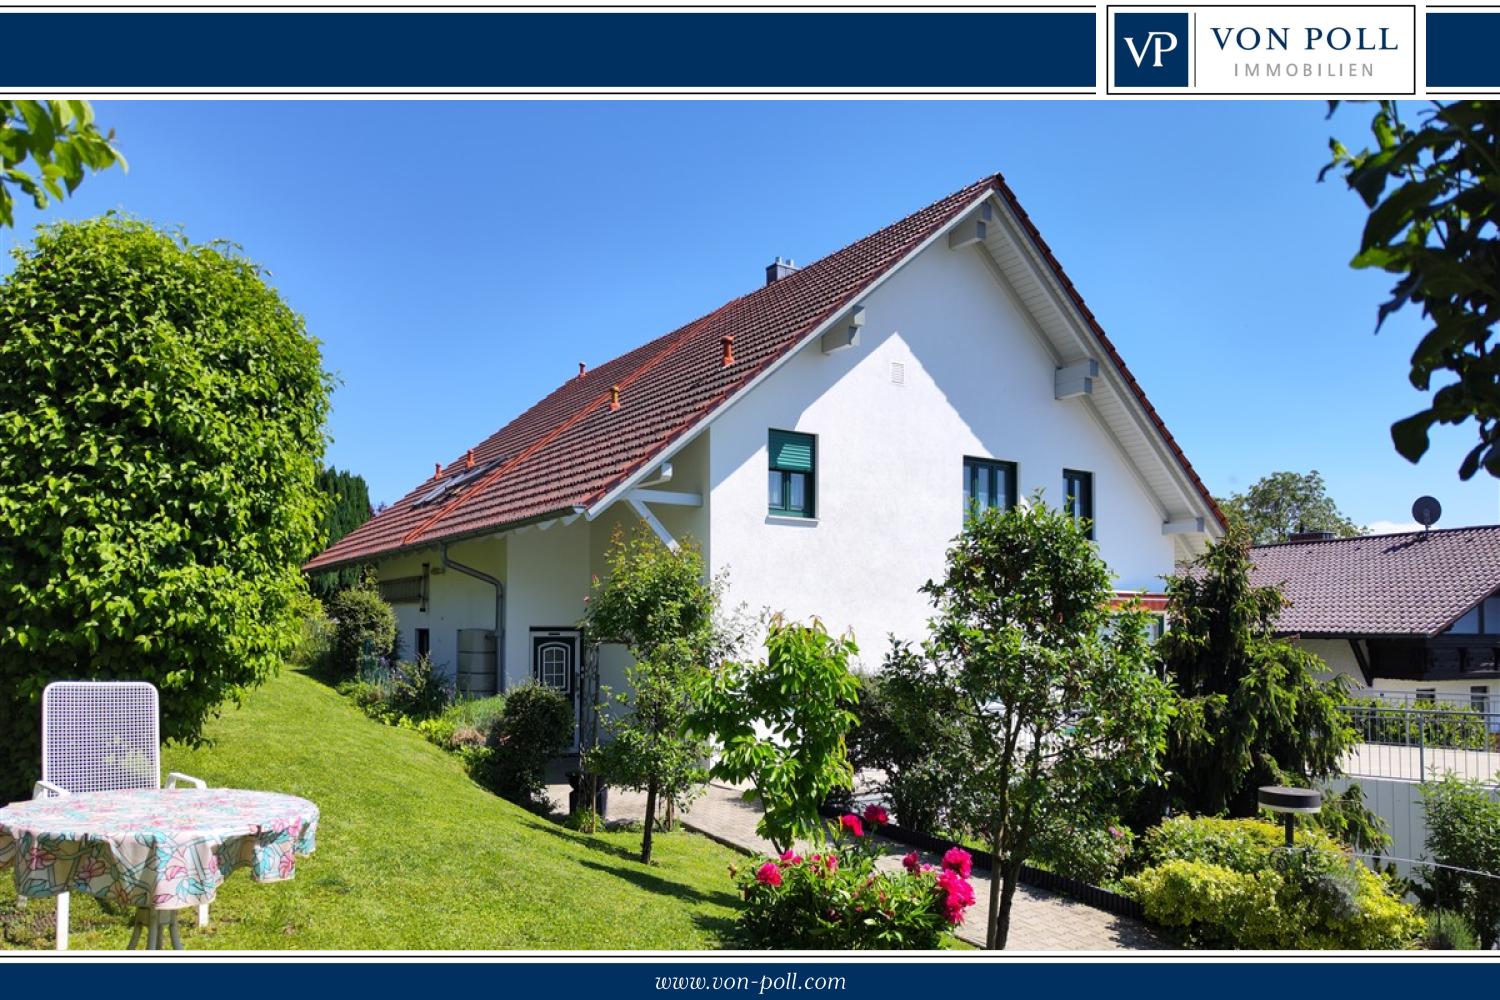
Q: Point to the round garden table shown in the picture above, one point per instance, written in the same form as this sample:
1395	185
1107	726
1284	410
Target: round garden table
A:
156	851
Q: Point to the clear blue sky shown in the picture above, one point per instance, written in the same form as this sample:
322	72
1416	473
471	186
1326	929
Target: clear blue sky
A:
458	259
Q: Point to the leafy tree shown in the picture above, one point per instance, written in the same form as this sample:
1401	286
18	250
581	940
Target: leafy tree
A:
62	143
1286	502
1433	190
1463	830
1059	705
781	724
657	602
1252	711
161	424
348	507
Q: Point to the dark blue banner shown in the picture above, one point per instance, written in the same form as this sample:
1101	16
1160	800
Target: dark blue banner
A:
773	50
736	978
1463	49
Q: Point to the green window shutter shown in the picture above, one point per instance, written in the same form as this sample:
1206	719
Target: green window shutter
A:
791	452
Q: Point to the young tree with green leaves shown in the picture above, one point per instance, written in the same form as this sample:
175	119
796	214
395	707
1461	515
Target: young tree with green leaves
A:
62	143
780	724
1059	705
1433	191
1285	502
1252	711
657	602
161	429
348	507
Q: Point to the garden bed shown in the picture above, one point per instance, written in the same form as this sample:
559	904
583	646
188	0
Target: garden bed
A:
1037	878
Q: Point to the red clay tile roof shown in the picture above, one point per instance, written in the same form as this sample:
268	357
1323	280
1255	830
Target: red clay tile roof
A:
1406	584
569	450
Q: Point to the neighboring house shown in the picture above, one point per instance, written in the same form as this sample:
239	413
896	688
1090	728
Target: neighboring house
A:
819	437
1417	613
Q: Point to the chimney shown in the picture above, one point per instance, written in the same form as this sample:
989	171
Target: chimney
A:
614	397
583	369
1310	536
437	470
727	341
779	269
469	459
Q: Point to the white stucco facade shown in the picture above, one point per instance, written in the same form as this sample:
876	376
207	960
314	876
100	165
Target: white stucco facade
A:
974	381
1338	657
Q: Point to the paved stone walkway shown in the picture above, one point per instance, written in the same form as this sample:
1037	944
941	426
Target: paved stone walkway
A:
1040	920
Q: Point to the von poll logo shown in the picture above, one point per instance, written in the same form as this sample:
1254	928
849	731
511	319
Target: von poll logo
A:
1151	50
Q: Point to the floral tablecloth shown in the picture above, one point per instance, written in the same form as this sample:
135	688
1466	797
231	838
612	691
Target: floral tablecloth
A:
165	849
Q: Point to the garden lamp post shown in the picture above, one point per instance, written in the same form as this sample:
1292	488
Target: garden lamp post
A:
1289	802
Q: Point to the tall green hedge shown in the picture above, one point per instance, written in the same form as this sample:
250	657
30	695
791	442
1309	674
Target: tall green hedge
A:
161	427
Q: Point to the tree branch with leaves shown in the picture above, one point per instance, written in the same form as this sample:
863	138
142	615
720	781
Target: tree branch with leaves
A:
46	150
1433	191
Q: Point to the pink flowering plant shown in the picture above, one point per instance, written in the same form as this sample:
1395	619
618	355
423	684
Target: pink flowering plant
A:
836	898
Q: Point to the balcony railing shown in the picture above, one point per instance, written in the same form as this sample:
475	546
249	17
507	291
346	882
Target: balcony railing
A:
1422	740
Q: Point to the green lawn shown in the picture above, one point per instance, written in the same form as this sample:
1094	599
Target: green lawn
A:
412	854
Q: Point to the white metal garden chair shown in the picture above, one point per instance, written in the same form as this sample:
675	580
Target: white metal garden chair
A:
101	736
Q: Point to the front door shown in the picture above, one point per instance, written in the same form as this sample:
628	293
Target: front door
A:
554	664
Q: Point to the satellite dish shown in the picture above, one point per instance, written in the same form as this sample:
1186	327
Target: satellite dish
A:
1426	511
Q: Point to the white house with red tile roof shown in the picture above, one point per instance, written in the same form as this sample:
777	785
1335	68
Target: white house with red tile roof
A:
818	437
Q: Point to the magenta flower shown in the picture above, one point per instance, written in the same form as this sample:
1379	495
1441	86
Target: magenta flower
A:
912	863
958	860
790	857
768	874
876	814
958	895
851	822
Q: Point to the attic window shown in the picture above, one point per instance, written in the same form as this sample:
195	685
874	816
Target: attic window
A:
447	486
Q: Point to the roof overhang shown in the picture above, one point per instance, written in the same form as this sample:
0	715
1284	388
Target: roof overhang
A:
566	514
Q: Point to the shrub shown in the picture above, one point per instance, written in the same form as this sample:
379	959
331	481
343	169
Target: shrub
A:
536	725
476	713
315	639
1230	884
1238	844
899	736
838	899
368	697
362	623
464	722
584	820
1092	854
161	424
1463	829
1448	930
418	691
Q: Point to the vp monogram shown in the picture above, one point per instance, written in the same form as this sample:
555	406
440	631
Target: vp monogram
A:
1157	44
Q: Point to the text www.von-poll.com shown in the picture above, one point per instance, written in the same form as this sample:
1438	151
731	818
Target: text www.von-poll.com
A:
760	985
